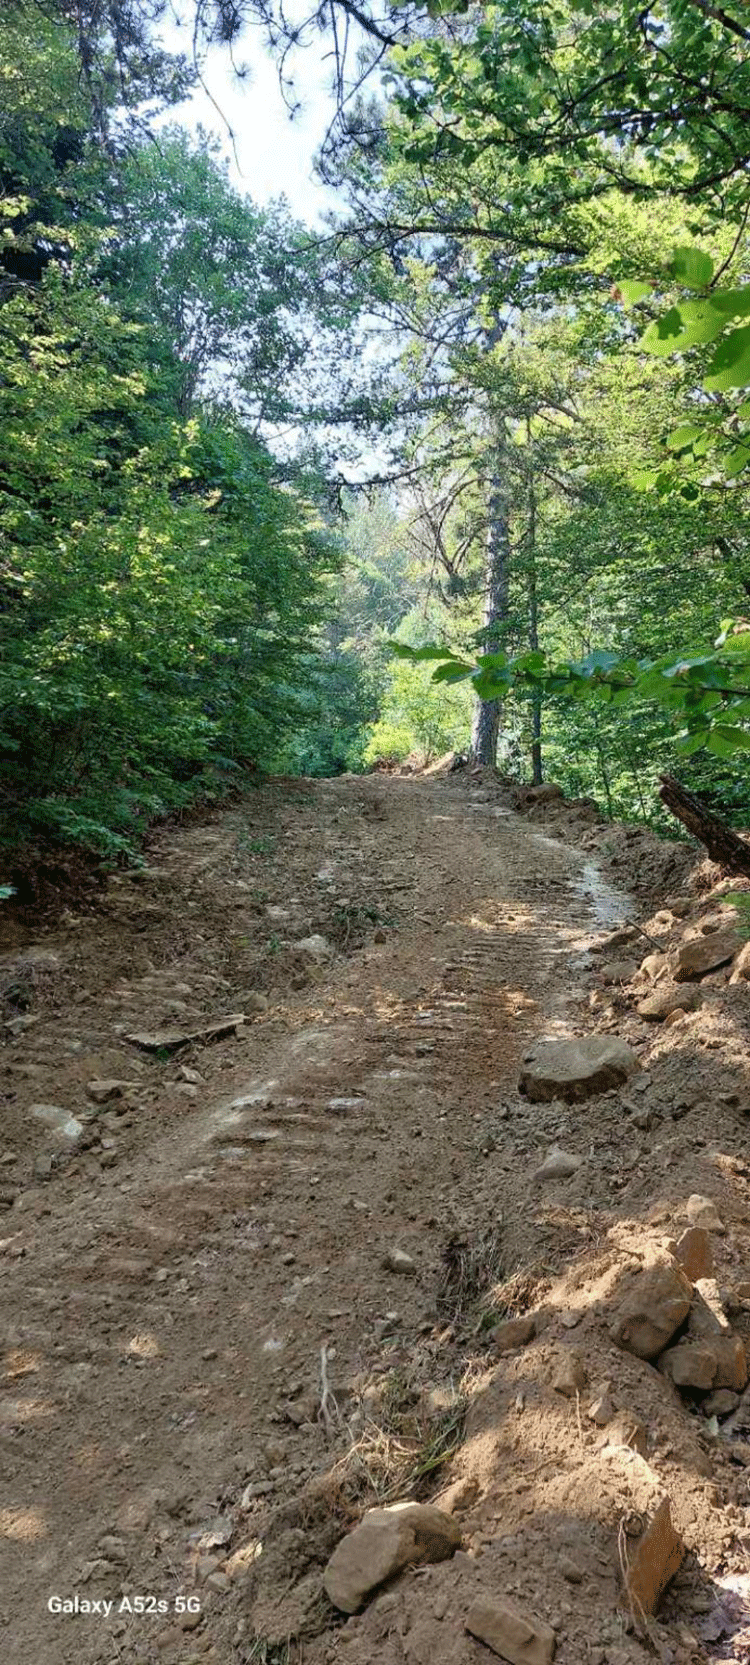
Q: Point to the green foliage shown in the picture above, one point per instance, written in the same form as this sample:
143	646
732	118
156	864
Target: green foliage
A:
162	588
706	694
714	446
415	718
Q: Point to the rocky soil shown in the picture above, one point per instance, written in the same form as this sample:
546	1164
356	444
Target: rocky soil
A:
382	1142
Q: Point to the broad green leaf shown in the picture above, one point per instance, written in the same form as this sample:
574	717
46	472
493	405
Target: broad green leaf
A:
692	267
735	461
664	334
725	740
734	303
693	742
730	365
683	438
451	672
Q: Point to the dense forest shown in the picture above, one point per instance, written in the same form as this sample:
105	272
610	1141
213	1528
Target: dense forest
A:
494	411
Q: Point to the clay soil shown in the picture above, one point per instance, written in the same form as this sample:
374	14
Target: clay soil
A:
209	1371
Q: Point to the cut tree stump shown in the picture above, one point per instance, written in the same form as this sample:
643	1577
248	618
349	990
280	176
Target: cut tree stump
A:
723	845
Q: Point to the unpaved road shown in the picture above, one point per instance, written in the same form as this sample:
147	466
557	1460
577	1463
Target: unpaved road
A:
166	1294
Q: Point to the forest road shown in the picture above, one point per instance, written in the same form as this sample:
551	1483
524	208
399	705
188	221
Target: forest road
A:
178	1292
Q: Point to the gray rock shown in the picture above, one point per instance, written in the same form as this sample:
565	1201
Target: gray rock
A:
316	948
102	1092
704	953
397	1260
384	1542
59	1121
721	1403
560	1164
701	1211
573	1070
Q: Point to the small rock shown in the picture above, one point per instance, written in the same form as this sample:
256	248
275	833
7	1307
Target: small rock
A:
568	1374
219	1582
380	935
514	1333
658	1555
256	1001
190	1621
573	1070
113	1548
385	1541
721	1403
516	1635
316	948
602	1410
618	971
102	1092
655	1305
704	953
58	1121
701	1211
570	1570
691	1364
43	1167
560	1164
397	1260
621	938
693	1251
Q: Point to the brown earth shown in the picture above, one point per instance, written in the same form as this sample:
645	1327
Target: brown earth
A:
208	1369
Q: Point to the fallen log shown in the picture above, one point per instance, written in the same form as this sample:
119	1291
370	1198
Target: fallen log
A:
723	845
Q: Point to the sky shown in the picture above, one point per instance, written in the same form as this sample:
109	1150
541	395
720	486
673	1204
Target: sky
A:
269	153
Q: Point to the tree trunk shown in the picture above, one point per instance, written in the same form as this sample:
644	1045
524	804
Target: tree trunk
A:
537	771
722	844
486	725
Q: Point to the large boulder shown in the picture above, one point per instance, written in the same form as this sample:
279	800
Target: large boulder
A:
699	955
652	1310
574	1070
384	1542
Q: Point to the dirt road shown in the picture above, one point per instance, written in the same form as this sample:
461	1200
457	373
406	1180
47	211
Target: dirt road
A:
199	1317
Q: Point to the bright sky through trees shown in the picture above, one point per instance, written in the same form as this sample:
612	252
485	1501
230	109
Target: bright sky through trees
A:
270	152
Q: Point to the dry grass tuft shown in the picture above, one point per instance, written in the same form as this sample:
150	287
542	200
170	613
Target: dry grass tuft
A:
472	1265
